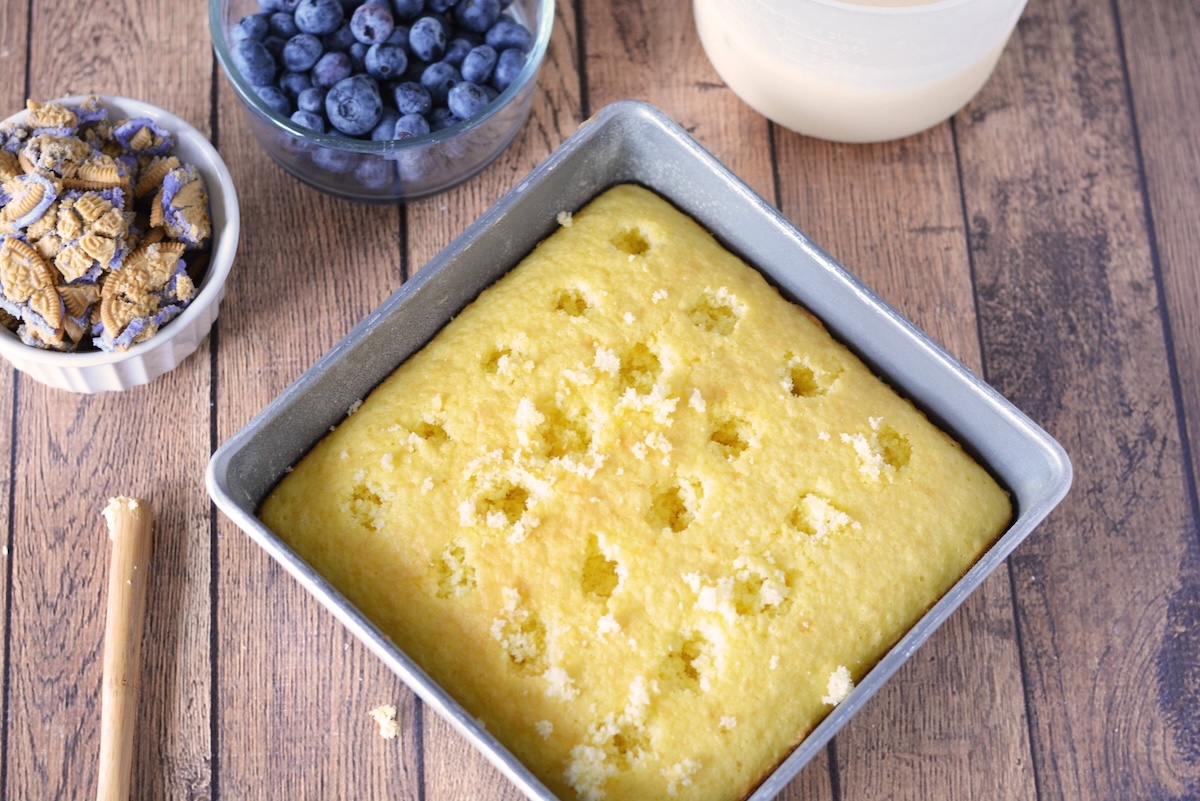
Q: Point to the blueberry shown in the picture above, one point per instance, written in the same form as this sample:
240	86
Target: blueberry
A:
467	99
411	125
509	33
312	100
340	40
508	67
375	173
331	160
293	83
457	50
353	106
408	10
318	16
250	27
386	61
314	122
283	24
277	5
371	23
329	69
478	65
358	56
438	79
301	52
415	68
412	98
477	15
253	61
386	127
439	6
442	117
399	36
274	45
274	97
427	38
491	92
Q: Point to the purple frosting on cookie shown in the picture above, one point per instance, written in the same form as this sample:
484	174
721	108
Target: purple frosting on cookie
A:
177	221
13	136
88	113
125	132
27	315
90	277
48	197
63	131
114	195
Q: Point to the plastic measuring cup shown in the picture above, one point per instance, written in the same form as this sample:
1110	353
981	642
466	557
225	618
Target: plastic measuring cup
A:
866	71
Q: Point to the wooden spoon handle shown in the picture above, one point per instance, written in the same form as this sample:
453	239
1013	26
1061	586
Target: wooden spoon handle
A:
129	524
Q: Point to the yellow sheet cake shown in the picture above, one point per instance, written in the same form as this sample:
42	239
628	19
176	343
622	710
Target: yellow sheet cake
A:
638	513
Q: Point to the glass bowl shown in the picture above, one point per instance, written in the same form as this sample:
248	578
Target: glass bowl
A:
395	170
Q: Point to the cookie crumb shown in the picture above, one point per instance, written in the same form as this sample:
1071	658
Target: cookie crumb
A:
839	687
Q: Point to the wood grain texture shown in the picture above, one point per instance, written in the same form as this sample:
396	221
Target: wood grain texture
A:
1066	286
453	769
555	114
58	581
292	688
1162	49
1082	243
891	213
650	51
13	53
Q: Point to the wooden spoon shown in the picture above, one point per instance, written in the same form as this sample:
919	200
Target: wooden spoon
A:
129	524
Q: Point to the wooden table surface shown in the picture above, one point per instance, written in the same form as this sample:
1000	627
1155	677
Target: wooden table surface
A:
1048	236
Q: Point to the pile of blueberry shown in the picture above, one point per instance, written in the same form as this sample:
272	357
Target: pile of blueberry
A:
379	69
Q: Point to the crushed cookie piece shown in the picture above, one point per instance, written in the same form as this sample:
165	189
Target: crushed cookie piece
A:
79	269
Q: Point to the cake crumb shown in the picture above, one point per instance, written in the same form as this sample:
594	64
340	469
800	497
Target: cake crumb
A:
565	219
840	685
659	294
385	716
354	407
607	361
696	401
629	318
823	436
561	685
680	775
544	728
386	462
727	722
774	663
427	485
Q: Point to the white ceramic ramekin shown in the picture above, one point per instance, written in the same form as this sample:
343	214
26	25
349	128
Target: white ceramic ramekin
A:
100	371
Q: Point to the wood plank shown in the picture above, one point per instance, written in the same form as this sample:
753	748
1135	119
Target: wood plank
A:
1065	289
1162	48
13	53
66	452
294	689
453	768
554	115
650	51
891	214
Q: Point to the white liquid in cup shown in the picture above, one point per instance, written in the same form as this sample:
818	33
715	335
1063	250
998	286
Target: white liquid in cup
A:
835	76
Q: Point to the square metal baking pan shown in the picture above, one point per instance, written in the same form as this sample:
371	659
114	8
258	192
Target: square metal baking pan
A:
633	142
